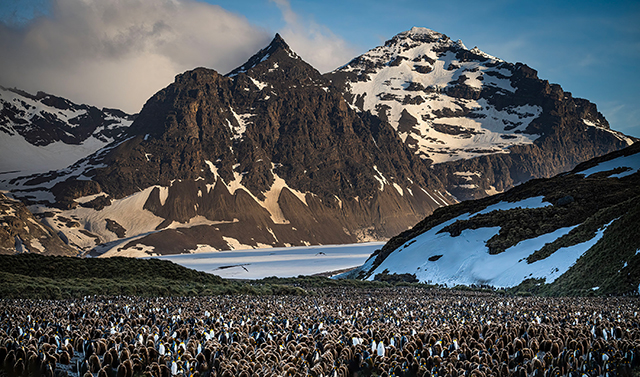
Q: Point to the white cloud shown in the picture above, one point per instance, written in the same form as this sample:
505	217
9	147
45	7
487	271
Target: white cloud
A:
315	43
117	53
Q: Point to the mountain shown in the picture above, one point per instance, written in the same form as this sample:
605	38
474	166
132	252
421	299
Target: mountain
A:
483	124
276	154
21	232
44	132
573	234
269	155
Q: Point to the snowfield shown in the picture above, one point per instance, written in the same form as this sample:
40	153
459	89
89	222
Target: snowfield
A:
465	260
280	262
23	158
20	157
439	258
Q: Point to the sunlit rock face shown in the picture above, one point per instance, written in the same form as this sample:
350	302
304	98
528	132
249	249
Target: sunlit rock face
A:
483	123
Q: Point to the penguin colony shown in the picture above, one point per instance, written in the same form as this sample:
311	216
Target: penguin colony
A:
332	332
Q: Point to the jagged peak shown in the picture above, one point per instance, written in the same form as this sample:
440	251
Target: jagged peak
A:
425	35
417	34
418	40
421	31
278	42
278	49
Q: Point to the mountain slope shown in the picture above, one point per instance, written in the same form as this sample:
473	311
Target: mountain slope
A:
484	124
269	155
43	132
575	233
21	232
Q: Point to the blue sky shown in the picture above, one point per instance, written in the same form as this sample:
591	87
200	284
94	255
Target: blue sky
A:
590	48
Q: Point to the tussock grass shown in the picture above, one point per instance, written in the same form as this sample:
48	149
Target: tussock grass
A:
49	277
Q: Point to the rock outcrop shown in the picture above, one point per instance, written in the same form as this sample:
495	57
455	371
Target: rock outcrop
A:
21	232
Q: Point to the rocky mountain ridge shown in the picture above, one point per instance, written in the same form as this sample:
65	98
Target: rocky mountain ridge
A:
44	132
276	154
269	155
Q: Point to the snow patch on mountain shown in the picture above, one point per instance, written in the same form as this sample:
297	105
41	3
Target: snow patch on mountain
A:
36	136
91	228
382	180
407	80
617	134
259	84
124	248
631	164
533	202
272	195
438	258
242	120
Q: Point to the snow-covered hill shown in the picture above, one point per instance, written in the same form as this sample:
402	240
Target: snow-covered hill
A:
569	234
43	132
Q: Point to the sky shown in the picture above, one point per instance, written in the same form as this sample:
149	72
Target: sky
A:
117	53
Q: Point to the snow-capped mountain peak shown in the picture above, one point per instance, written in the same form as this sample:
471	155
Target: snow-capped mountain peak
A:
452	106
436	93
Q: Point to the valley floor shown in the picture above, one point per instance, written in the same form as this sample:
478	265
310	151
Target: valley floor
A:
280	262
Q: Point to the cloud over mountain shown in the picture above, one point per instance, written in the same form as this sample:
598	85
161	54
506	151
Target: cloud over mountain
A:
117	53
